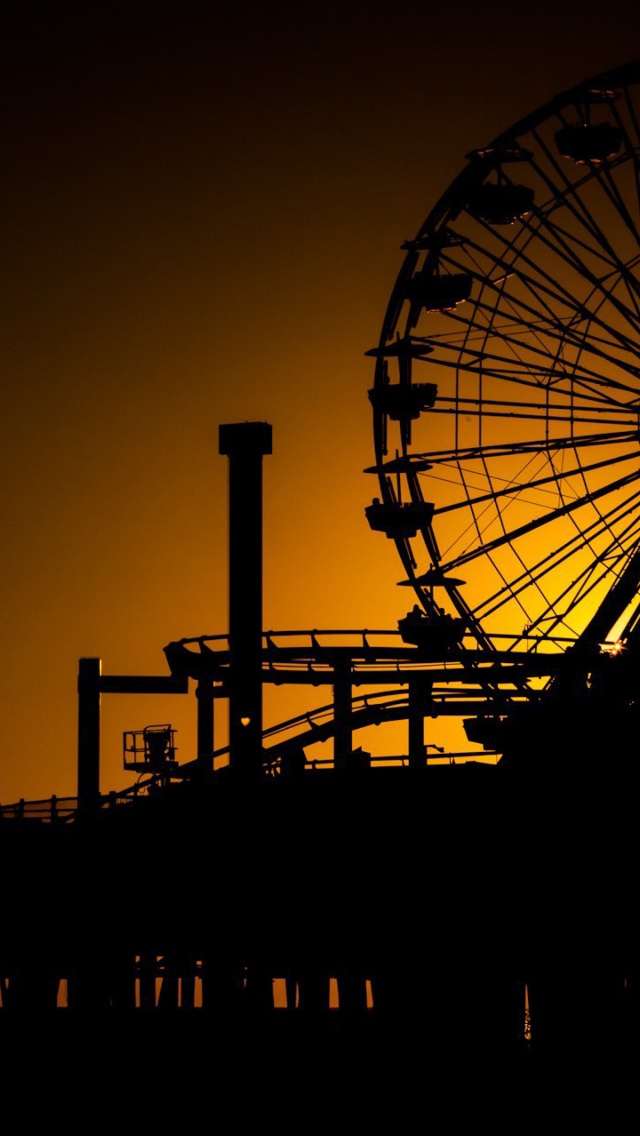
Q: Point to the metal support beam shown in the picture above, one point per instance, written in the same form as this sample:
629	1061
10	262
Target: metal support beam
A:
342	704
616	601
89	674
205	700
245	444
144	684
91	685
418	701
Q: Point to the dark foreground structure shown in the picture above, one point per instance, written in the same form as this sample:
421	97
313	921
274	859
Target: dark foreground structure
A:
254	901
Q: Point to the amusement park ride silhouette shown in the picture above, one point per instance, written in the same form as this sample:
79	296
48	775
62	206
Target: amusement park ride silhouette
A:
475	898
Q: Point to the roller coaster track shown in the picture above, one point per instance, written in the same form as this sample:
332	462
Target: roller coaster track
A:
456	682
375	658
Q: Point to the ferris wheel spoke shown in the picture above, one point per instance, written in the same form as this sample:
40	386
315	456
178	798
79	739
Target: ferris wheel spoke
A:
569	195
539	325
612	191
604	177
571	246
538	522
521	349
514	488
499	450
558	609
574	406
548	319
603	285
633	146
566	552
631	111
544	296
538	280
555	238
533	374
479	410
580	593
562	243
563	333
604	561
508	593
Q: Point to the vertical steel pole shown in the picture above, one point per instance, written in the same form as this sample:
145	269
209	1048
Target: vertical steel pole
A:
245	444
89	675
205	700
342	696
417	700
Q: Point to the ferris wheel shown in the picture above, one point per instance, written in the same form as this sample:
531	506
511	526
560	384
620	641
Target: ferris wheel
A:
506	392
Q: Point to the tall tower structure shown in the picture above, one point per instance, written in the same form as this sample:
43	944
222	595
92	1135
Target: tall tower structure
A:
245	444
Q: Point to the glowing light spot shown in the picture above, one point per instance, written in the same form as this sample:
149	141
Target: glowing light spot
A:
613	648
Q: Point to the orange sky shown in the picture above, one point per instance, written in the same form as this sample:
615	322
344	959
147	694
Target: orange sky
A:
203	211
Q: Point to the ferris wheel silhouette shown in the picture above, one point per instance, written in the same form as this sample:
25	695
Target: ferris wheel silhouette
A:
506	391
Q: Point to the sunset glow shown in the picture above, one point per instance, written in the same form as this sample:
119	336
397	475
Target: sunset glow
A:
204	224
